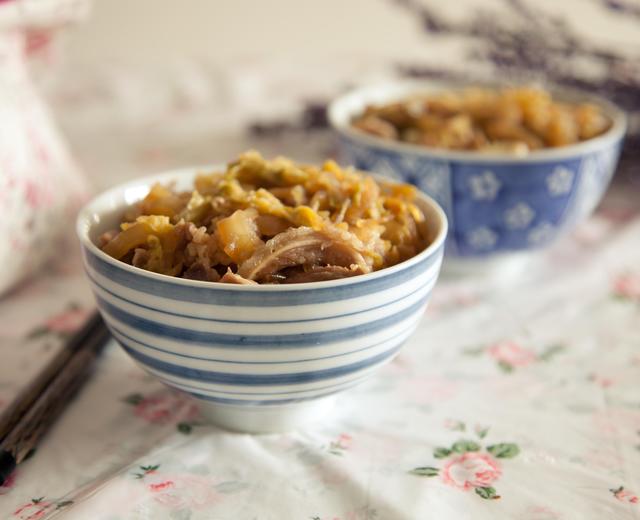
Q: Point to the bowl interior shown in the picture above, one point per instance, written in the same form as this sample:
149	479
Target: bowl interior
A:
104	213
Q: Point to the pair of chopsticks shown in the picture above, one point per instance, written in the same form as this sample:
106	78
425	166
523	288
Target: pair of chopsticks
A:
36	408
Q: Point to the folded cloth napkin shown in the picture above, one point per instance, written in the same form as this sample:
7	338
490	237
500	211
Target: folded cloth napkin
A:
40	185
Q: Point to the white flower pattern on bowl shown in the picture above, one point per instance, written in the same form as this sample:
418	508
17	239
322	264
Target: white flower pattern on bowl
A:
482	238
519	216
560	181
485	186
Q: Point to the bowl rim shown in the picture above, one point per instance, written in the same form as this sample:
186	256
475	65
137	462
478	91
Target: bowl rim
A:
344	107
85	220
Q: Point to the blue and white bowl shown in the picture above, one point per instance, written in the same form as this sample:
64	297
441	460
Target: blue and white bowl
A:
496	204
258	358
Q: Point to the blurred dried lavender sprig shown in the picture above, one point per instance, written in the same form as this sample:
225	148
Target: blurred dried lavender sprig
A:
524	43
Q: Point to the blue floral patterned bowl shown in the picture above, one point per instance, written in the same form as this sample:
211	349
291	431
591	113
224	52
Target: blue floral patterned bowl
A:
495	204
258	358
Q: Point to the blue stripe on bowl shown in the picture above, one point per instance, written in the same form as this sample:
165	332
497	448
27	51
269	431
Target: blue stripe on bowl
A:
199	389
430	281
125	339
214	294
267	402
256	341
294	378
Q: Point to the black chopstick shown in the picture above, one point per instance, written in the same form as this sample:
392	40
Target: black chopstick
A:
14	412
28	418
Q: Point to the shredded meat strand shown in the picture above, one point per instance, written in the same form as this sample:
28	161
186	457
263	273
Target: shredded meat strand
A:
301	246
322	273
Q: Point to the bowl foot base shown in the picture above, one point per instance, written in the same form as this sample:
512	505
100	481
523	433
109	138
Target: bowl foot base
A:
499	269
267	419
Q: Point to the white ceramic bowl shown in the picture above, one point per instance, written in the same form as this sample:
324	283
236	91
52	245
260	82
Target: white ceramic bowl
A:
499	207
258	358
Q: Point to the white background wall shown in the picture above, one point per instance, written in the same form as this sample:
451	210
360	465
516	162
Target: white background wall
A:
227	30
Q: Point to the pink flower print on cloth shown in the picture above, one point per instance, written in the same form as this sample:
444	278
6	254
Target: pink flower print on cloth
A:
625	496
67	321
627	287
182	491
471	470
509	355
341	444
164	407
512	354
33	510
39	508
468	464
62	324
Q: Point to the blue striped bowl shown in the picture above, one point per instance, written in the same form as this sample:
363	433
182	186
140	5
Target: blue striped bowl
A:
258	358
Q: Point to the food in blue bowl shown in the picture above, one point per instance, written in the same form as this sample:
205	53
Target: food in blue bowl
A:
265	288
513	169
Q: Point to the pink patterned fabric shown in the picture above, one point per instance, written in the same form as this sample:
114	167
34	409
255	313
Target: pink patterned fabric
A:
40	185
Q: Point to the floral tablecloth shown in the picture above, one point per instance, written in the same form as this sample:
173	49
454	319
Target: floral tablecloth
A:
516	400
520	401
